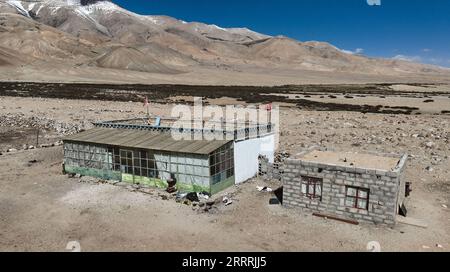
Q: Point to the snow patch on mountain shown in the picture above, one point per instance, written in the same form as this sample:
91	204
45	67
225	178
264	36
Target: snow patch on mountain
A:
91	10
218	27
19	7
154	20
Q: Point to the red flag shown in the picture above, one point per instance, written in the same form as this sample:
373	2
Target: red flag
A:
269	107
146	102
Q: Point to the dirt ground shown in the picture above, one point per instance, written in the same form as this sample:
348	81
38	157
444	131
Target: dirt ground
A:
42	210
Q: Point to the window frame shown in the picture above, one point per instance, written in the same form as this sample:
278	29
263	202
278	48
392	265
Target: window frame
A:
355	199
221	164
315	182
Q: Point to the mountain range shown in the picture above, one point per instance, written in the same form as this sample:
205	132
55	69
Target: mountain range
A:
98	41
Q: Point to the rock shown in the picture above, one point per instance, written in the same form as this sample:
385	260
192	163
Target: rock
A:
429	144
439	246
31	147
11	150
227	201
187	202
429	169
444	206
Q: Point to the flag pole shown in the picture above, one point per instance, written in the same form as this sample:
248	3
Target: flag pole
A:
146	104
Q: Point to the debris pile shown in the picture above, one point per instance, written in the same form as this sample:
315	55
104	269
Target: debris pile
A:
31	147
201	202
20	120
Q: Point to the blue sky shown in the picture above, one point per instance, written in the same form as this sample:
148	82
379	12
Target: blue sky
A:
418	30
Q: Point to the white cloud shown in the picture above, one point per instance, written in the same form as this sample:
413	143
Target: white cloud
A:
408	58
374	2
427	50
358	51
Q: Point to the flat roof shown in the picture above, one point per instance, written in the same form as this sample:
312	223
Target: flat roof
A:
143	139
237	130
353	160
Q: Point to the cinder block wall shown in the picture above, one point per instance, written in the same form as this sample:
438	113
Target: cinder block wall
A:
386	190
268	170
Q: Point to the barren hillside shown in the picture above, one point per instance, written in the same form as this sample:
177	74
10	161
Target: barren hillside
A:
97	40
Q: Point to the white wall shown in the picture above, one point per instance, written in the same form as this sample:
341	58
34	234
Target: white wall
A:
246	155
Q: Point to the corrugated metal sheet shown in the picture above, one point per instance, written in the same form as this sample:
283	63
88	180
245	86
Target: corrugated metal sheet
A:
145	140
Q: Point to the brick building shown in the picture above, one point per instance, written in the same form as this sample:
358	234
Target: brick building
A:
360	187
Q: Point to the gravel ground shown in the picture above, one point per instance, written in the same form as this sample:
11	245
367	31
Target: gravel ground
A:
42	210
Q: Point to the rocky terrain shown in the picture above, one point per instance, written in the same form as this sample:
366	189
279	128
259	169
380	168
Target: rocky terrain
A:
65	64
98	41
99	216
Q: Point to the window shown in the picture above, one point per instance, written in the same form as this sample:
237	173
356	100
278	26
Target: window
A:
85	155
357	198
222	164
312	187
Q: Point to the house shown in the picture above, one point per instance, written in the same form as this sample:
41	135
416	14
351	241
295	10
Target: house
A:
360	187
140	151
